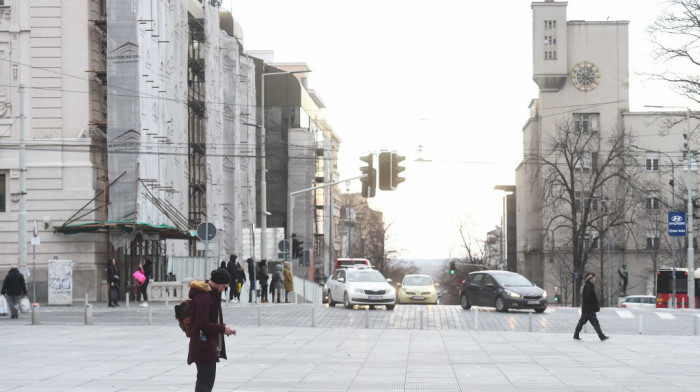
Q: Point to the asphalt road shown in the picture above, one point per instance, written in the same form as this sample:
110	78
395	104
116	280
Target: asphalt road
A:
429	317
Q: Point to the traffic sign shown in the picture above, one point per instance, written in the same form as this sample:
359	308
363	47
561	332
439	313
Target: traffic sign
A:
206	231
676	224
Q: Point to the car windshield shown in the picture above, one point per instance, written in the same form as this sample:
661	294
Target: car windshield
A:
365	276
513	280
417	281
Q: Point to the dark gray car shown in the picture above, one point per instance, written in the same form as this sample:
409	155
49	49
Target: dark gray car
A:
502	290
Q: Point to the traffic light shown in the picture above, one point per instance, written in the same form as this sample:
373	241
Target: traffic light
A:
556	298
385	171
297	248
453	267
396	169
369	183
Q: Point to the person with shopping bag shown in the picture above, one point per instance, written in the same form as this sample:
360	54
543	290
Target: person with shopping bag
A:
14	288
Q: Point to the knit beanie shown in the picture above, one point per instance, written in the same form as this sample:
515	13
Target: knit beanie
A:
220	276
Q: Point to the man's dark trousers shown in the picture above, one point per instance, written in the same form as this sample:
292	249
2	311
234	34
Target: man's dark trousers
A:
206	374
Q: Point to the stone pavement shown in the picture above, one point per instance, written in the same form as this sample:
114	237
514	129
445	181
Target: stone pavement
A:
129	357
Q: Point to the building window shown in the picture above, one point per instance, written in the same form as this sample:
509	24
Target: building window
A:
590	241
652	242
652	161
585	162
586	122
653	202
3	191
550	24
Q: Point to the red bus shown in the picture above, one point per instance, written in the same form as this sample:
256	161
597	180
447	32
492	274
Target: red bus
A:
664	287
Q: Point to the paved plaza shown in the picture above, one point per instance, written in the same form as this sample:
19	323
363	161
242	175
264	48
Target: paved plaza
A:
122	352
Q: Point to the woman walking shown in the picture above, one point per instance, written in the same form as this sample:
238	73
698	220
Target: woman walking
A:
288	281
147	270
113	280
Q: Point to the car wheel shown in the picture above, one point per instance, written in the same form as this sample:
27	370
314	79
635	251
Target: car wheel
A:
501	304
390	307
464	301
346	301
540	310
330	300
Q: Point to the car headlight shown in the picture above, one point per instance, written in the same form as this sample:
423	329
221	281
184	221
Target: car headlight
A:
513	294
544	294
356	290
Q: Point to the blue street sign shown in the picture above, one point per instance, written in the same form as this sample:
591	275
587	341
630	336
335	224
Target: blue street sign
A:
676	224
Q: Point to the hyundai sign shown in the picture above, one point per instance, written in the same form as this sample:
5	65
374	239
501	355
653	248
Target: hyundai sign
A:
676	224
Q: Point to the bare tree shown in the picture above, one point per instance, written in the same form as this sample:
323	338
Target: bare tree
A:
578	168
473	246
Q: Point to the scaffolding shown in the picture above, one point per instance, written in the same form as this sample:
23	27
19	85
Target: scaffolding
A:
197	147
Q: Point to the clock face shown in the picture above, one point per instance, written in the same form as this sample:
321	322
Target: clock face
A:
585	76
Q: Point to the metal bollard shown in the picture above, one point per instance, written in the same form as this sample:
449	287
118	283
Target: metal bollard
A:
150	315
86	299
695	325
88	314
529	321
127	300
476	320
35	314
259	323
641	323
313	318
683	303
367	317
420	312
167	295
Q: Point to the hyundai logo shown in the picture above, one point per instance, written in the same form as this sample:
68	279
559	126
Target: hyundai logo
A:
677	218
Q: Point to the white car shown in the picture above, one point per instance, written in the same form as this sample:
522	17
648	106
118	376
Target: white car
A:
360	286
639	302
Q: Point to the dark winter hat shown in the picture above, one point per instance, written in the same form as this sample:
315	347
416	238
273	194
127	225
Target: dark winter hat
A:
250	260
233	257
220	276
589	275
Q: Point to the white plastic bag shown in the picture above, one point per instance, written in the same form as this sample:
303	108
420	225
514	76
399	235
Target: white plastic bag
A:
24	305
3	306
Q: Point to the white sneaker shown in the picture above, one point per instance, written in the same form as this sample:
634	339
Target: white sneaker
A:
144	305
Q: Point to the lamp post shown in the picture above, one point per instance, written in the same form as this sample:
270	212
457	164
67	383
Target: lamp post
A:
689	185
263	168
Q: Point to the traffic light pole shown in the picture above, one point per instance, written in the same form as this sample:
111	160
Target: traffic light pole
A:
290	211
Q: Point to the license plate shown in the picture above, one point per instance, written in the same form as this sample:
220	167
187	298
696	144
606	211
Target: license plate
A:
533	302
374	297
417	297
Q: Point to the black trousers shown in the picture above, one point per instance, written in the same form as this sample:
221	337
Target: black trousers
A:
206	374
586	317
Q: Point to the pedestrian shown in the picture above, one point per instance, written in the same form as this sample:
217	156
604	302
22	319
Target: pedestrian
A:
240	277
14	288
251	278
288	281
231	268
262	278
589	308
277	283
113	281
147	270
223	265
206	340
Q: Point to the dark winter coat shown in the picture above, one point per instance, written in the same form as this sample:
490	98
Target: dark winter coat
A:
207	316
112	274
240	274
262	275
232	270
251	270
14	283
148	271
589	303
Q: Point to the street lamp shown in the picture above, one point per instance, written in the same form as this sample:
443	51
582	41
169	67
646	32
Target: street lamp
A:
263	169
673	207
691	251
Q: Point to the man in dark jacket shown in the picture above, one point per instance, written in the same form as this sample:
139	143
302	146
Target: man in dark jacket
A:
589	308
263	278
251	278
231	268
206	340
14	288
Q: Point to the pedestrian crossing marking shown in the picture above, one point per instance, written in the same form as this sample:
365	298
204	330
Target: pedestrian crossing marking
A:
625	314
666	316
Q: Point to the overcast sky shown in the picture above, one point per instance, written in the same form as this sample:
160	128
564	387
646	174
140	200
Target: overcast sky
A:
453	76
